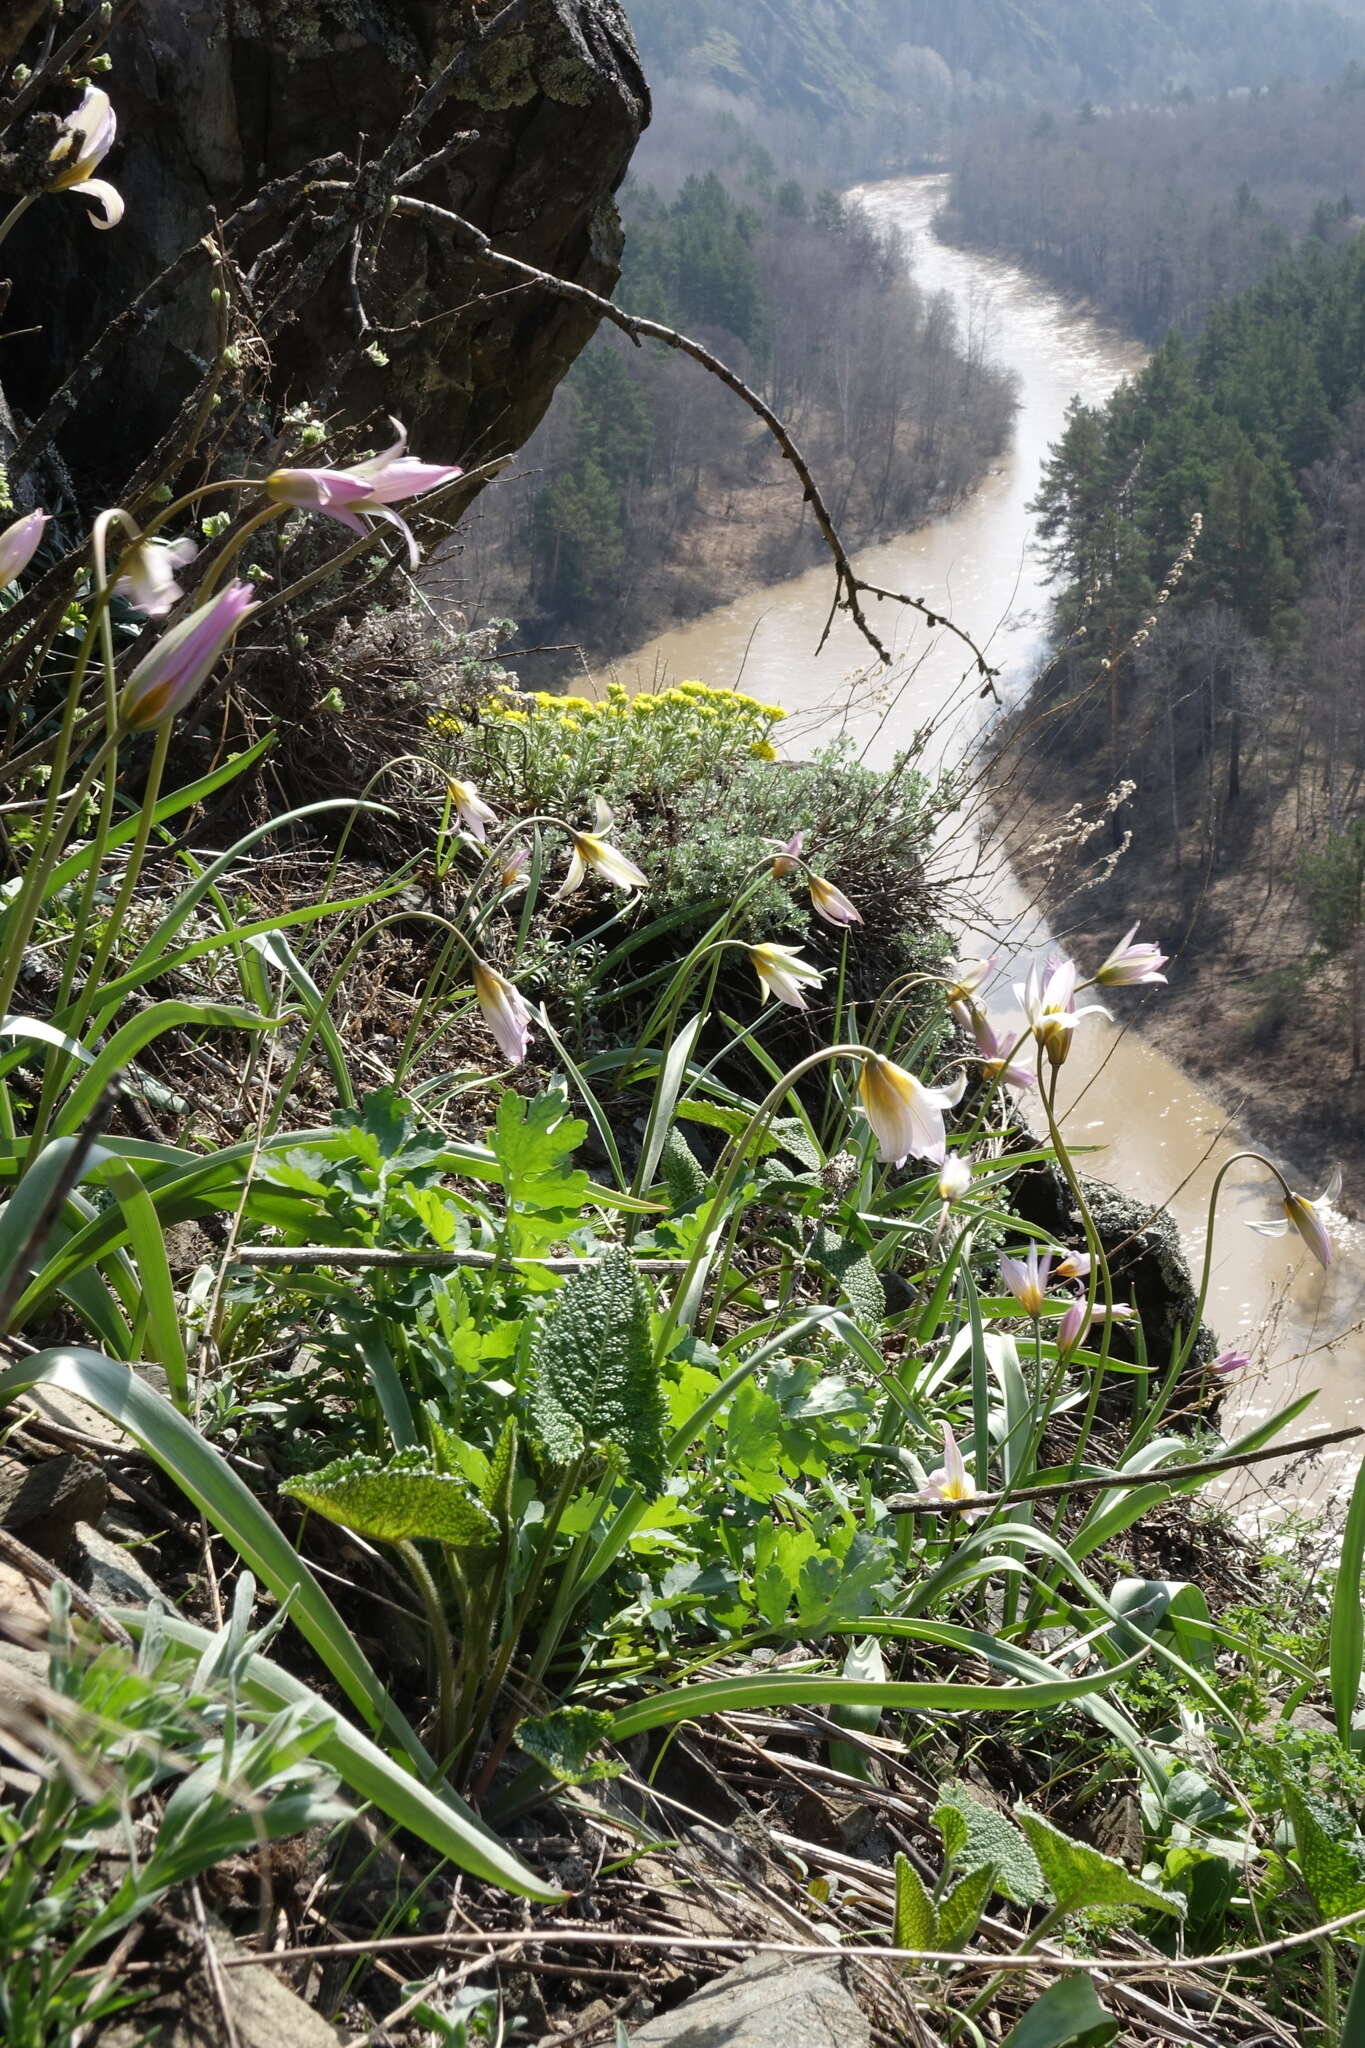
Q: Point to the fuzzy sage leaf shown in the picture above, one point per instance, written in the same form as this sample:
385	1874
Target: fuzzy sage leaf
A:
1084	1880
594	1384
404	1501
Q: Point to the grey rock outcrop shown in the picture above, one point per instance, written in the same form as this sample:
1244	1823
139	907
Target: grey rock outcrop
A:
216	98
770	2002
1142	1245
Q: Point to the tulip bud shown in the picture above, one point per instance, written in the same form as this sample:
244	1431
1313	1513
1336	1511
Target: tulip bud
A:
19	544
1071	1327
172	675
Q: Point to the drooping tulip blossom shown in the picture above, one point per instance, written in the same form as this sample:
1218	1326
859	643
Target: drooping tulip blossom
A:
831	903
590	850
169	678
470	808
84	141
1072	1326
1130	966
1115	1312
952	1481
373	487
1048	1001
514	871
955	1177
19	544
966	978
1073	1266
781	971
147	575
1303	1212
1230	1362
504	1011
1026	1279
995	1048
787	855
906	1117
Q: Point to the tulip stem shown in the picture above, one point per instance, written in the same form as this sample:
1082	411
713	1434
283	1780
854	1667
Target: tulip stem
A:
51	840
1206	1270
1099	1265
16	213
733	1159
113	924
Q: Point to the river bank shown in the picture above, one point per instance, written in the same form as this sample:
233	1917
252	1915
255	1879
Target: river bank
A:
1161	1136
739	537
1243	1013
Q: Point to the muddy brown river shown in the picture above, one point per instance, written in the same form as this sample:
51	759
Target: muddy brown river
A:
1160	1136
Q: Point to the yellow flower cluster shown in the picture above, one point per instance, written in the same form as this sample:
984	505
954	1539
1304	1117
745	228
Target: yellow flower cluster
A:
698	700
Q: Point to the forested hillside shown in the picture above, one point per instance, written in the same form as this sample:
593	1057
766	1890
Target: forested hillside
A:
1231	700
884	78
650	493
1156	213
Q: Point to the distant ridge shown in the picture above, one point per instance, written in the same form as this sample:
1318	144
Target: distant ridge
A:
839	57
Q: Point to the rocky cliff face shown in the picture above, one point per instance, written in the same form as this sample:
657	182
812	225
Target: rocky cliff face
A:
218	98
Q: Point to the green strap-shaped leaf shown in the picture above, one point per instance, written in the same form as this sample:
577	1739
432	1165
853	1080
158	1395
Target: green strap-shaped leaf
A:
594	1383
793	1689
407	1500
1081	1878
433	1813
1347	1639
138	1032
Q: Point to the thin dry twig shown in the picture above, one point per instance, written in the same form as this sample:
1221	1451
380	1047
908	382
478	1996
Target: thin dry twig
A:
1160	1475
850	588
1100	1967
356	1256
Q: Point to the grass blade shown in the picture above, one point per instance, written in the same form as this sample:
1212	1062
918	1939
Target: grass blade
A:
1346	1639
434	1814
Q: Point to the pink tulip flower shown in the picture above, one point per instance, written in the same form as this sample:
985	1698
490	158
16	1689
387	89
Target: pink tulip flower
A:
373	487
952	1481
1026	1279
1072	1326
1130	966
504	1011
1048	1001
966	978
514	870
995	1048
831	903
786	855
